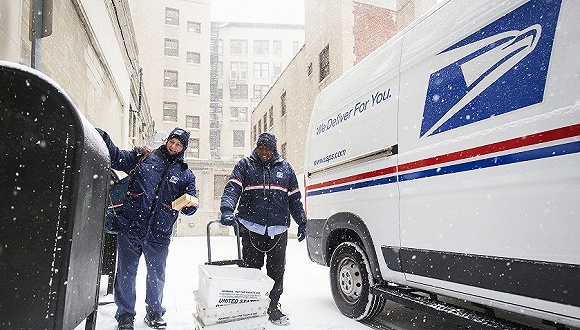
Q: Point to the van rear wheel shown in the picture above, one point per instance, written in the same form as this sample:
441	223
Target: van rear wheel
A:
350	282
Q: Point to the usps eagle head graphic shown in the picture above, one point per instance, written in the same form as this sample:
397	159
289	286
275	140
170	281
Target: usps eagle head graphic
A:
500	68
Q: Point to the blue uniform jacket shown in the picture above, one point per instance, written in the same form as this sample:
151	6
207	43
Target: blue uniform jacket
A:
156	182
267	193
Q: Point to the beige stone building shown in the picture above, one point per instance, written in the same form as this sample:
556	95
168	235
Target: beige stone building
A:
174	38
207	77
251	57
90	52
331	48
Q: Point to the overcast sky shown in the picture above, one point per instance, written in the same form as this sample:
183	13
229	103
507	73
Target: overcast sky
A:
258	11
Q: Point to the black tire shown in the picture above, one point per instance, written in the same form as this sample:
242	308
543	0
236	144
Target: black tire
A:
350	282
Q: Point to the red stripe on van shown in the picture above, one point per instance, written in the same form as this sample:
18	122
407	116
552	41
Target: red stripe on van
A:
356	177
551	135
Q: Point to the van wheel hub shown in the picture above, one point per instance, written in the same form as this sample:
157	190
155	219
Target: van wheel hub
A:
350	280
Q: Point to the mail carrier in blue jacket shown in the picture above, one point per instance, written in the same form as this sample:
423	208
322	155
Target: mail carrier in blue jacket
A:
268	193
157	181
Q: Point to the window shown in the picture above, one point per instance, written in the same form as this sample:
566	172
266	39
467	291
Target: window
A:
324	63
277	69
171	47
171	16
259	126
238	92
283	103
277	47
192	150
220	46
192	122
239	114
239	138
295	47
283	150
254	135
309	69
192	88
271	116
243	70
217	115
193	57
220	91
261	47
238	70
194	27
219	184
265	122
260	91
170	78
261	69
214	139
170	111
238	47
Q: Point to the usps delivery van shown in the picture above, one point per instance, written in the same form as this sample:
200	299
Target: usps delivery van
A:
447	162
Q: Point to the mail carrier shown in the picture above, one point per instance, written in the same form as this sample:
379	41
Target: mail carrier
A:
448	162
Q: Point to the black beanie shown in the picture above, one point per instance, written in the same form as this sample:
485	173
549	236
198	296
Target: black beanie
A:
267	140
180	134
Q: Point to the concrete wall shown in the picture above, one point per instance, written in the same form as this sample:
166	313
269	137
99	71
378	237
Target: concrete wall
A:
85	54
10	17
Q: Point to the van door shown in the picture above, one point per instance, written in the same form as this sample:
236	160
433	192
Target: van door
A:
351	156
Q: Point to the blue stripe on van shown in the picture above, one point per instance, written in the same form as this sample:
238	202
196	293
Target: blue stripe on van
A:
534	154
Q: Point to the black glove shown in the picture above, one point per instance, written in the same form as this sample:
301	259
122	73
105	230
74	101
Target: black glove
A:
228	219
301	231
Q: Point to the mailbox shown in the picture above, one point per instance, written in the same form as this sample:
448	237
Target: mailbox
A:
54	176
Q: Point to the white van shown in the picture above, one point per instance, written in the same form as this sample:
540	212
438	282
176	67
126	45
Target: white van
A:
448	162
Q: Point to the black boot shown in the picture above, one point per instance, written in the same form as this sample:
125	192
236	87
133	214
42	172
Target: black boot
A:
276	316
155	321
126	322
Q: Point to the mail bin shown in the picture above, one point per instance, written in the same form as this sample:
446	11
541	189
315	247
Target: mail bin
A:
54	173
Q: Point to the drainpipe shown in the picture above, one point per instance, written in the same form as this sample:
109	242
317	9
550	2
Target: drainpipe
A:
40	26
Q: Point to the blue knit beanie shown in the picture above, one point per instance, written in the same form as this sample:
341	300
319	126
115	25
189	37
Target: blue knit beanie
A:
267	140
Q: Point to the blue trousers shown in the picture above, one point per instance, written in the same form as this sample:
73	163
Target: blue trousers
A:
129	251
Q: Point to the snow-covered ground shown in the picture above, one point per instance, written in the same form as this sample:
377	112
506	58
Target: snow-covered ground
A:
306	299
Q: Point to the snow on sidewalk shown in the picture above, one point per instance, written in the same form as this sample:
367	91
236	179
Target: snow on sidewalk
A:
307	299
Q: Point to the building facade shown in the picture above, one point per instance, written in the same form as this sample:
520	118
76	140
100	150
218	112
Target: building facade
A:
206	78
331	48
174	43
250	57
224	82
90	51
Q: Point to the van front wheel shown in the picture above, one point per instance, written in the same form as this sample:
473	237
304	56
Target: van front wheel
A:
350	282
